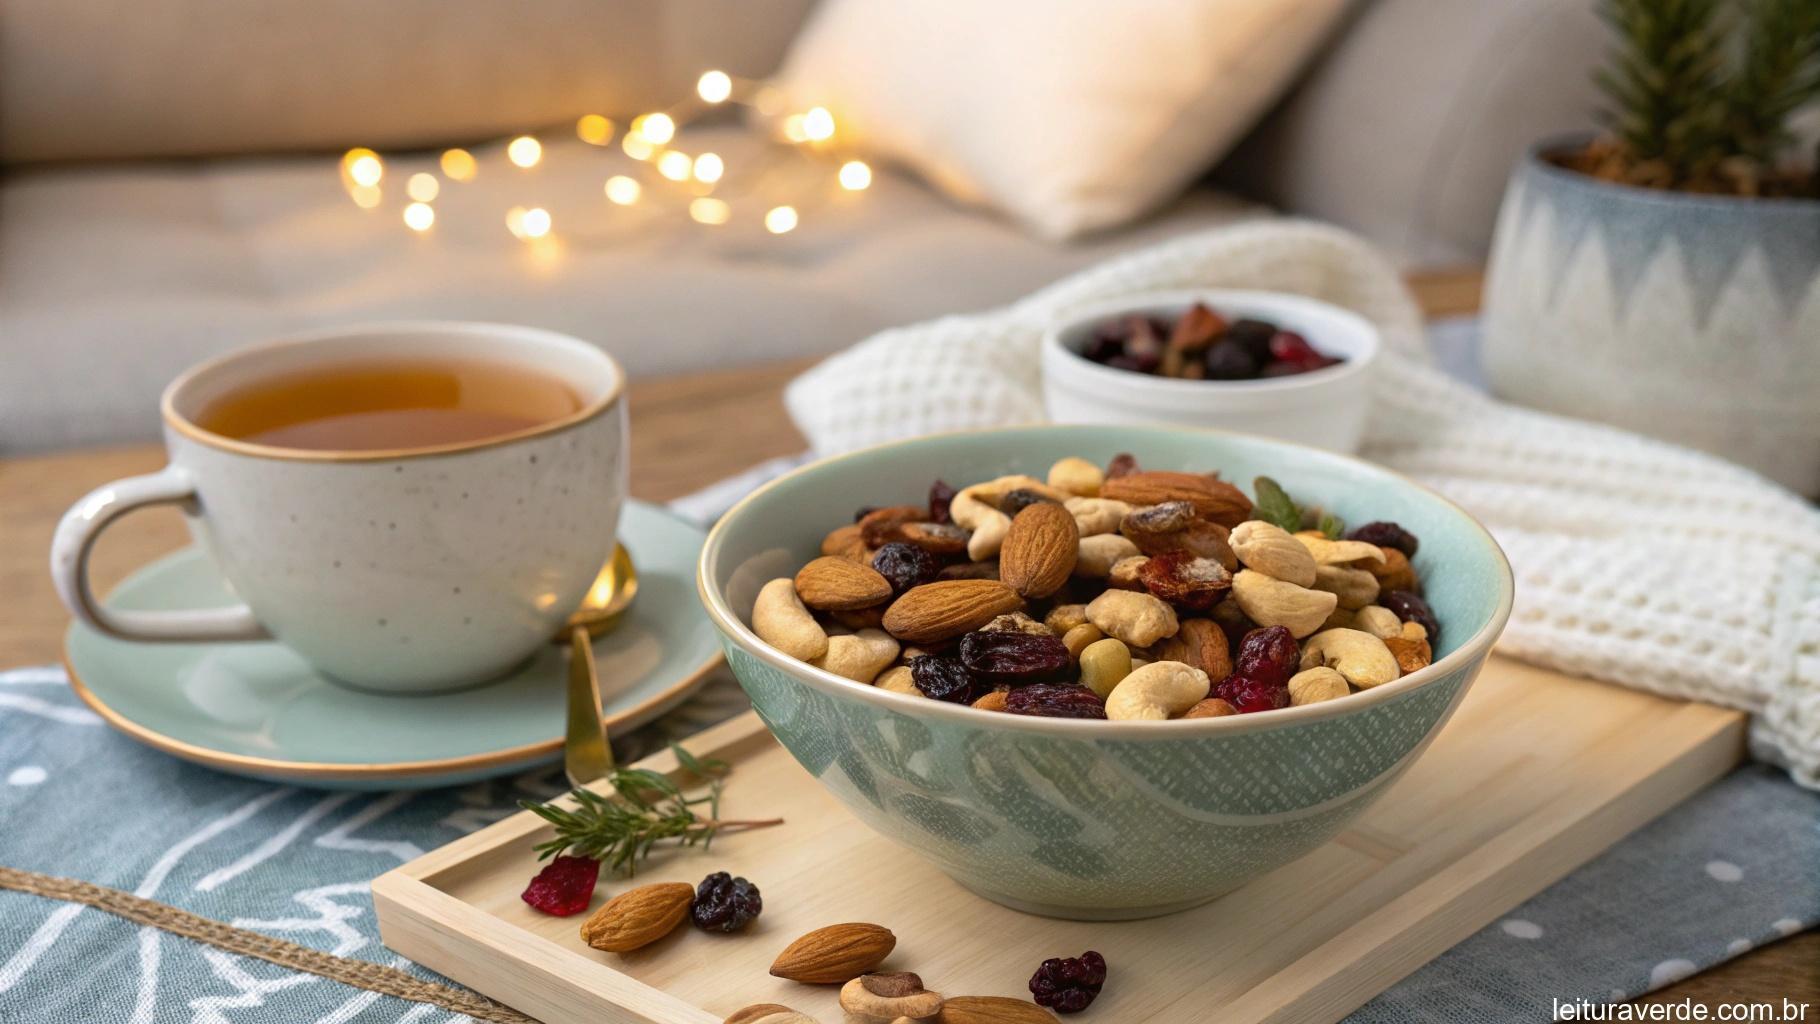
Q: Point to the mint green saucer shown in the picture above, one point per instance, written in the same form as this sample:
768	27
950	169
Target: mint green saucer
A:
257	709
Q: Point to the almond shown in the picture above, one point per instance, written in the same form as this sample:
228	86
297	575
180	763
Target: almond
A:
638	917
834	955
992	1010
833	583
1039	552
944	610
1213	500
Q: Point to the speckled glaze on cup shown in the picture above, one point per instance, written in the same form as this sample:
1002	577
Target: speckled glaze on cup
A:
1099	820
409	571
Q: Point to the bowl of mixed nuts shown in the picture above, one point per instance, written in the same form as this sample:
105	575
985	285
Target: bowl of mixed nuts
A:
1270	363
1103	672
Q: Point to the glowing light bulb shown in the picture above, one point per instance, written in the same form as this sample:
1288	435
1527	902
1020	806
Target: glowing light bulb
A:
363	167
707	210
796	128
524	151
709	168
674	165
422	186
855	175
657	128
365	196
780	219
419	216
536	222
459	165
622	190
714	86
818	124
637	146
594	129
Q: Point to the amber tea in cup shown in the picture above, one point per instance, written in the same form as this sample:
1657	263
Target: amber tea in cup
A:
385	406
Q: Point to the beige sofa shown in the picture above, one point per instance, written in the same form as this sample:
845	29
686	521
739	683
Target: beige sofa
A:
170	185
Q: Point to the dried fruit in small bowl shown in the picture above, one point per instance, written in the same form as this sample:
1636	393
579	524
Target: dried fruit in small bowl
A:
1123	593
1203	345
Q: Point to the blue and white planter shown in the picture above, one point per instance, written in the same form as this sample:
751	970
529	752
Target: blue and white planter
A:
1691	318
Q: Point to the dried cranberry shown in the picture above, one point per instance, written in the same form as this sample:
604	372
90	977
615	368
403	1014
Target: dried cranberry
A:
940	497
1290	347
1253	336
1009	656
1068	985
1229	360
1409	607
906	565
1249	695
1055	700
942	678
1183	578
564	886
1020	499
725	904
1268	655
1387	535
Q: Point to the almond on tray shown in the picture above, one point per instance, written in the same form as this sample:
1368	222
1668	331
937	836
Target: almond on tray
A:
1116	592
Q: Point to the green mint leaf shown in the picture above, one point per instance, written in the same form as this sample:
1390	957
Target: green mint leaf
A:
1275	506
1332	525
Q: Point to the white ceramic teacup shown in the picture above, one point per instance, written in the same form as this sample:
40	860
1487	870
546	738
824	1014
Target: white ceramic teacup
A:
406	571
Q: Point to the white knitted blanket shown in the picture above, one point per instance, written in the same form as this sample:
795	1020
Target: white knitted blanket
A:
1636	561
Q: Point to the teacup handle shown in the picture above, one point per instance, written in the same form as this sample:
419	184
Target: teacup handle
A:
76	536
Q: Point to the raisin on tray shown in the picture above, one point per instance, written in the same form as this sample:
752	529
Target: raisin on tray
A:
1069	984
724	903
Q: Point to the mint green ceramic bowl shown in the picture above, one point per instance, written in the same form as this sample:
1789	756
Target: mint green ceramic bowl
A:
1085	819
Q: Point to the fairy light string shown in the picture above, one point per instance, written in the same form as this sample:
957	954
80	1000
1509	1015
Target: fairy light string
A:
659	171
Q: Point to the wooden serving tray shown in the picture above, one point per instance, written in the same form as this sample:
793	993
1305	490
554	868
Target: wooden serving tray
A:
1536	773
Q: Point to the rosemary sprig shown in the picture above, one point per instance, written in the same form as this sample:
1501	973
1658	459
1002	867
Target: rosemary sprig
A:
649	809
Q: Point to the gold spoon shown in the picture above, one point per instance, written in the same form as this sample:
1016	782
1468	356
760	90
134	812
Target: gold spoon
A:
586	755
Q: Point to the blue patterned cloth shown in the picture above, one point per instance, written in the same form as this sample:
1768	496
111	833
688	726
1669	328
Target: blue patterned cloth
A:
1737	866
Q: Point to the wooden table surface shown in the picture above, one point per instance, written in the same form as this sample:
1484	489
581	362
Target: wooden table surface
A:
687	431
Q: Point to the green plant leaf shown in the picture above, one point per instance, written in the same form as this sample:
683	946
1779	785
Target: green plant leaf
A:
1333	526
1275	506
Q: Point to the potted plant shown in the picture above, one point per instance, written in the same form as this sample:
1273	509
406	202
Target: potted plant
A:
1664	275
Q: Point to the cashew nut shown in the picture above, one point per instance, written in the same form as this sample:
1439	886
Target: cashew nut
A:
889	996
1126	573
1338	552
1313	685
1271	602
1358	656
1377	620
1104	664
859	657
1095	556
781	619
1273	551
1076	475
1136	618
1094	516
898	680
1159	690
1355	588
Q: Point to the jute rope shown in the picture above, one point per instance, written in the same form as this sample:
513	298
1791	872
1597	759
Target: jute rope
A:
357	973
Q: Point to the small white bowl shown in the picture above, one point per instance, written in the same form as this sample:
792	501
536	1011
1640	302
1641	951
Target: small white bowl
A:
1325	408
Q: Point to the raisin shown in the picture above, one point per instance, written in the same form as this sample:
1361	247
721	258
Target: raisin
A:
1167	517
1020	499
940	497
1387	535
1122	464
1016	657
1229	360
724	903
906	565
1055	700
1409	607
942	678
564	886
1068	985
1254	337
1268	655
1182	578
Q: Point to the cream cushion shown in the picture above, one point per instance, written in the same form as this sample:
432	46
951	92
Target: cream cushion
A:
1071	115
113	279
83	79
